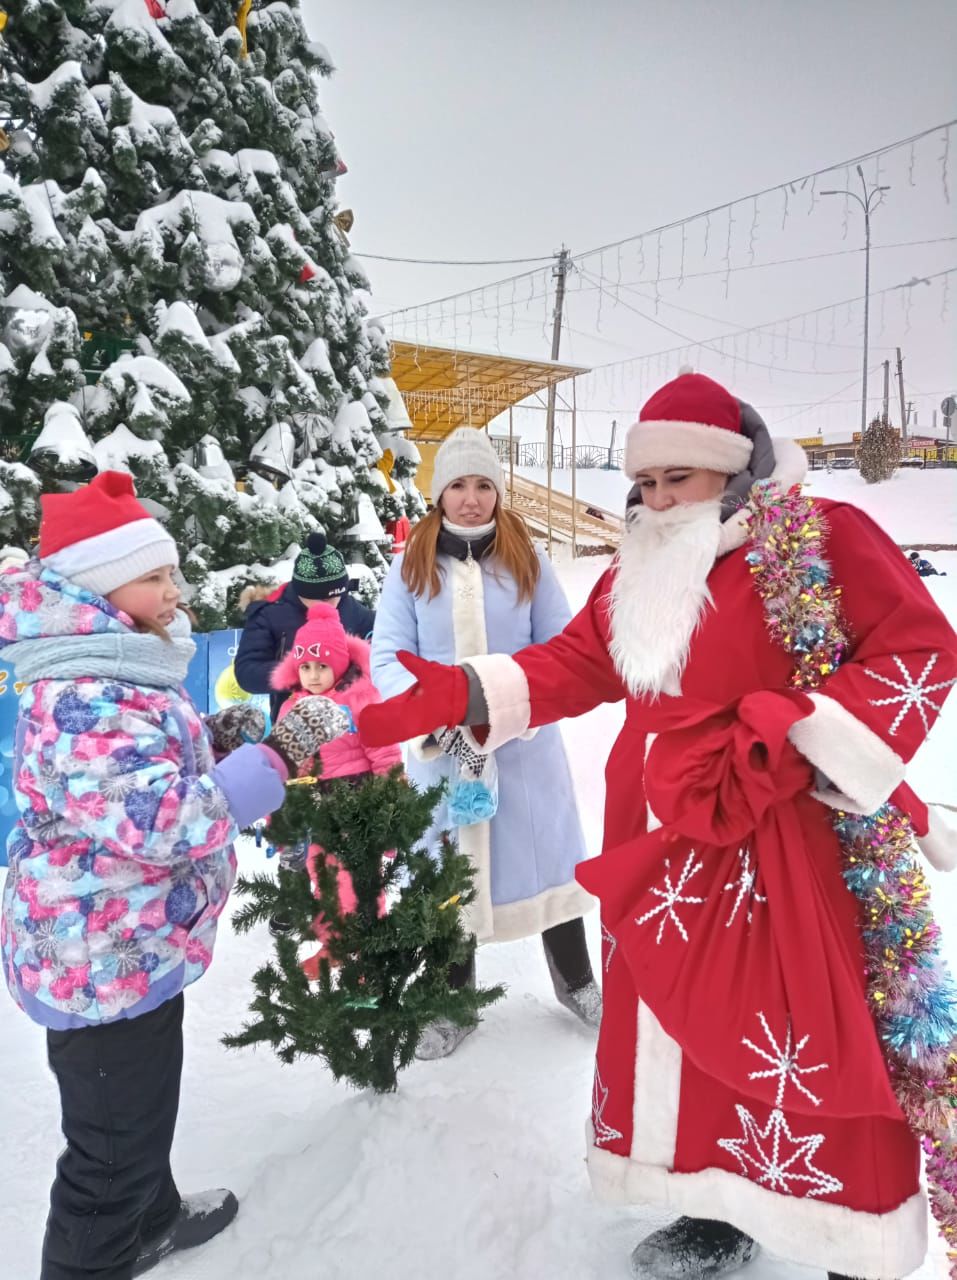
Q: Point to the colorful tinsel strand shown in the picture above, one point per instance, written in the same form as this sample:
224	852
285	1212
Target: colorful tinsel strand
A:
910	991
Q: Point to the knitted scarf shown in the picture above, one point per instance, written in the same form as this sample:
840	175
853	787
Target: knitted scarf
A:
131	656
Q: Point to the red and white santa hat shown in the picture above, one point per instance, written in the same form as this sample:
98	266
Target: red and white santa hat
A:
321	638
101	537
691	421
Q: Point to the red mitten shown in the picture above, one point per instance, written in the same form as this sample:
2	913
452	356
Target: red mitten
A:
438	698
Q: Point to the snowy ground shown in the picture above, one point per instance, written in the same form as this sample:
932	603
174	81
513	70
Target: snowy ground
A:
914	506
474	1170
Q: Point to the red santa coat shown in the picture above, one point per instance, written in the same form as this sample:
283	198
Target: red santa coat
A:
738	1074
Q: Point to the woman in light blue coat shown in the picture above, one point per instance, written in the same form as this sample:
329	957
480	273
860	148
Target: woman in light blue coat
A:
471	582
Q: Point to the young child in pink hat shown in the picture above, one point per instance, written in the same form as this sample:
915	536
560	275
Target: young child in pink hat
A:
325	661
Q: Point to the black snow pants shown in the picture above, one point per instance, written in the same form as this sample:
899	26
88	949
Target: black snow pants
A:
119	1094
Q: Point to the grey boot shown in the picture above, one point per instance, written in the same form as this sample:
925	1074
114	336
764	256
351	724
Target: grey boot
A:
200	1218
441	1038
692	1249
584	1002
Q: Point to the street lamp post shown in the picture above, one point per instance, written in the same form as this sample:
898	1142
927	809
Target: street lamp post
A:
869	202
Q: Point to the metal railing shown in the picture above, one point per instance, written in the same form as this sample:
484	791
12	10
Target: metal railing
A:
588	457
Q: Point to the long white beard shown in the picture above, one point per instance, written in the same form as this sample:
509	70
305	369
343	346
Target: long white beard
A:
660	593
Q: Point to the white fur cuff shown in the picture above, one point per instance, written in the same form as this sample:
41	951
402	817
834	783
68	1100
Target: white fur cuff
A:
859	763
506	696
939	846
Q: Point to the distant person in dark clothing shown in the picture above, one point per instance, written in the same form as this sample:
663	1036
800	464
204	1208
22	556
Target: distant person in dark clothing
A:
924	567
271	624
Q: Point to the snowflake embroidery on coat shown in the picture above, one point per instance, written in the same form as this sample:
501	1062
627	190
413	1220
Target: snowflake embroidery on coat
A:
599	1098
612	945
129	955
43	827
214	803
911	694
46	941
784	1062
671	896
778	1159
116	788
56	617
745	885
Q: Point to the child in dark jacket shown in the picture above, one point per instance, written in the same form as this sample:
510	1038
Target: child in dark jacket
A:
121	862
924	567
271	623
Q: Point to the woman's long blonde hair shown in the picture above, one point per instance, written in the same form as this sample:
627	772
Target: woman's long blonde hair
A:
512	550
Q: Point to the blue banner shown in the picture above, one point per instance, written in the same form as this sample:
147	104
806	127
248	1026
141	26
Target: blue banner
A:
209	682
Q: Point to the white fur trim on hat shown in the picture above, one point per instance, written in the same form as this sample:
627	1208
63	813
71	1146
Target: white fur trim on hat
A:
466	452
684	444
108	560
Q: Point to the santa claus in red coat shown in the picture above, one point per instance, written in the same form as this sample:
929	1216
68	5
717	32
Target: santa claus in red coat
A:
740	1078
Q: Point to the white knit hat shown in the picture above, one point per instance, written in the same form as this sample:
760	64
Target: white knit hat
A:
466	452
101	537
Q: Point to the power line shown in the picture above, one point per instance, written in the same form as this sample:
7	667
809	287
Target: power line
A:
690	275
463	293
769	409
701	315
784	262
704	213
706	344
766	191
817	403
454	262
768	324
528	299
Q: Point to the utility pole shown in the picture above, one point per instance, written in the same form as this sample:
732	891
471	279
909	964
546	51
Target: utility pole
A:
611	447
559	272
870	202
887	392
900	385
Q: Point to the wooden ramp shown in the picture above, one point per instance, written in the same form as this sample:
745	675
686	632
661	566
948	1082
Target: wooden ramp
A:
596	529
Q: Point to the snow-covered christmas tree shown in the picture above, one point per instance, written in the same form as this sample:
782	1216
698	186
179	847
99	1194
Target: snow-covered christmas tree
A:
177	297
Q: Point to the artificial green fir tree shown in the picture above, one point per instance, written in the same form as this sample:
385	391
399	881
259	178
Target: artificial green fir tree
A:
382	974
175	295
879	452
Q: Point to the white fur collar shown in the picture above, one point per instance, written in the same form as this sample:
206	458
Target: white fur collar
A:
790	468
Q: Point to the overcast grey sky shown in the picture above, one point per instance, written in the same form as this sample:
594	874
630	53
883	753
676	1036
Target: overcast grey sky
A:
504	129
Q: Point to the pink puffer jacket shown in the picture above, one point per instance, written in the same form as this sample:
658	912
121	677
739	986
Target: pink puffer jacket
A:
345	756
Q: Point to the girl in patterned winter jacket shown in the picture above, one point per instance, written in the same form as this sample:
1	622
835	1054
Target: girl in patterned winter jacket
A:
324	661
121	862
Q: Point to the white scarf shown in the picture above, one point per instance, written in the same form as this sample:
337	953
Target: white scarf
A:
470	532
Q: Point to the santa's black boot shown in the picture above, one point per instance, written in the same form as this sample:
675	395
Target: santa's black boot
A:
200	1218
692	1249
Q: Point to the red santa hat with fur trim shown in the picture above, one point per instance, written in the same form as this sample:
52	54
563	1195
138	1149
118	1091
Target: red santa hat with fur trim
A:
691	421
101	537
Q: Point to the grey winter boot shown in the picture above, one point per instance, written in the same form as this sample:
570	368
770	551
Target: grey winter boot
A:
692	1249
584	1002
200	1218
441	1038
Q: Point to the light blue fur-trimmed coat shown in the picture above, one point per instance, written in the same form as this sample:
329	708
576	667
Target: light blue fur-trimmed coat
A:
525	858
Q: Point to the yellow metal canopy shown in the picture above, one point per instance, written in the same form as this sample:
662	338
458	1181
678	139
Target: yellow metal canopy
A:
444	388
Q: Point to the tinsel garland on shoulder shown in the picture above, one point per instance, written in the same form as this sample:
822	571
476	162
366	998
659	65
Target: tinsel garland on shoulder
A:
909	988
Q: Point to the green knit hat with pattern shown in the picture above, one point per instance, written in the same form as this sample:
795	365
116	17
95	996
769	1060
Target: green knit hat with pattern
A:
319	571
